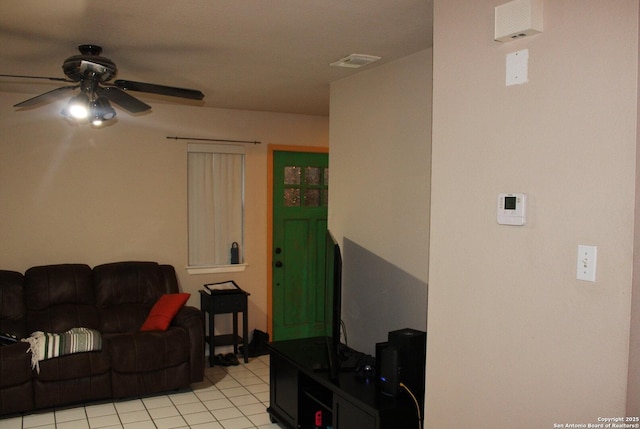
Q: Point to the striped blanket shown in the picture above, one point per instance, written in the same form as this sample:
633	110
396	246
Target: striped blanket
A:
76	340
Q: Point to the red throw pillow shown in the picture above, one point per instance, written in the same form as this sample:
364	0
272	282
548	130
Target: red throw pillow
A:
164	311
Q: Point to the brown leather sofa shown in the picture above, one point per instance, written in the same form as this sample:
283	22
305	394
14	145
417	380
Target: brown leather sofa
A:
114	299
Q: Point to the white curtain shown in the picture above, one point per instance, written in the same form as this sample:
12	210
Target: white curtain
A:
215	197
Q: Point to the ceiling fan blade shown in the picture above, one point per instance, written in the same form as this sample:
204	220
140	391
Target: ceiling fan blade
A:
46	97
59	79
173	91
123	99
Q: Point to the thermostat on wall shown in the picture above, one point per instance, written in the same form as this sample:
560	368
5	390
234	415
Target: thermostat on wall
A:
512	209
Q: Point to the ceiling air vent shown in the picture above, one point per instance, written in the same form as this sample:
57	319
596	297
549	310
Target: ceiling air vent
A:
355	60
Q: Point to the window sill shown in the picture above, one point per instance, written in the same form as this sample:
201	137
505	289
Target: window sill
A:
233	268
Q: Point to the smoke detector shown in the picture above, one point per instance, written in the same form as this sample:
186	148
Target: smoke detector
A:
355	61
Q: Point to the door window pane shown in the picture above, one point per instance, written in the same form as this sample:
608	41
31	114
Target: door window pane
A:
312	175
292	197
292	175
312	198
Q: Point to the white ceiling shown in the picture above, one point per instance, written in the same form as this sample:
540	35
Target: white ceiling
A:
266	55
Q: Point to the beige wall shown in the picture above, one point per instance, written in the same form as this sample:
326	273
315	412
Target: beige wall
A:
380	161
379	200
514	339
77	194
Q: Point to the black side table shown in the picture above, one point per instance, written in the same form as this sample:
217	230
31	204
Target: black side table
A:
221	302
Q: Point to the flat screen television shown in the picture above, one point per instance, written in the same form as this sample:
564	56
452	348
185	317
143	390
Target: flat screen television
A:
333	304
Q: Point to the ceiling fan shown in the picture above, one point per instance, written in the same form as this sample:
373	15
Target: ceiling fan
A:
92	73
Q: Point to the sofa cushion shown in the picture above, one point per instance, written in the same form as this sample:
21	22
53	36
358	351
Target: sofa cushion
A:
15	365
57	392
148	351
49	285
135	384
59	297
78	365
125	293
16	399
12	309
164	310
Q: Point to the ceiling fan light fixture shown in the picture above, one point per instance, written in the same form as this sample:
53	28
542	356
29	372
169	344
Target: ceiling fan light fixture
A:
101	111
78	107
355	61
103	107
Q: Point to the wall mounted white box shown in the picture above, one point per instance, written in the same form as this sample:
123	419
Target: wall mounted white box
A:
516	19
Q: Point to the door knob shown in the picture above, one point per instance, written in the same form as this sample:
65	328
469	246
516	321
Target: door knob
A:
278	264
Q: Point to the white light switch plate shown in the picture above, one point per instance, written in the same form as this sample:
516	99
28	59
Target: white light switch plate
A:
518	67
586	264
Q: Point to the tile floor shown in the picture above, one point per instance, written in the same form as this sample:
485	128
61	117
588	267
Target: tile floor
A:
234	397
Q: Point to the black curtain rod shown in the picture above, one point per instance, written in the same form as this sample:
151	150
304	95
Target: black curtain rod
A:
214	140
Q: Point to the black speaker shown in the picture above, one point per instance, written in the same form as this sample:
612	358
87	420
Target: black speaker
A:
387	359
411	346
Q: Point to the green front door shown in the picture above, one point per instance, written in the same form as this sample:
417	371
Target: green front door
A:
300	194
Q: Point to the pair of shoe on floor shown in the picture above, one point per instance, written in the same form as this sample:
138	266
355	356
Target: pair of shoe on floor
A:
226	360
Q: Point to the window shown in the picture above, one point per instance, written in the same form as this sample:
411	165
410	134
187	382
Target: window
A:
215	204
310	189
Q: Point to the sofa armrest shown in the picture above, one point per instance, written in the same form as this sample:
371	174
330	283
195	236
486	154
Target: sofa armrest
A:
16	379
192	319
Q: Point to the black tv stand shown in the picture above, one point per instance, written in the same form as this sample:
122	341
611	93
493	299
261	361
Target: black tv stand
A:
348	360
300	389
